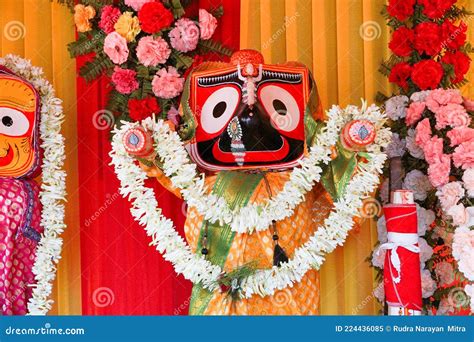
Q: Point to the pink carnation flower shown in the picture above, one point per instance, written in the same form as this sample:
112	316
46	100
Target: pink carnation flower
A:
459	135
450	194
463	155
442	97
458	213
115	47
414	112
438	172
468	179
469	105
423	132
125	80
453	115
108	18
167	83
433	149
463	250
428	285
184	36
137	4
207	24
152	51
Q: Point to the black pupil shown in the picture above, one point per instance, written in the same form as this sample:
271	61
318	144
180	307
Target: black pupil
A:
7	121
280	107
219	109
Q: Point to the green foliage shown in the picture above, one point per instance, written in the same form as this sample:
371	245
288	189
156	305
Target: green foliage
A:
93	69
87	43
218	11
182	60
214	46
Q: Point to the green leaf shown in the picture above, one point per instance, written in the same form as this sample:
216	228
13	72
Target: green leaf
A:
93	69
214	46
86	43
218	11
182	60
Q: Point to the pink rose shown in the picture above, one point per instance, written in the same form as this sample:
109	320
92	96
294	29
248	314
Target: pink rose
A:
468	179
137	4
125	80
414	112
441	97
458	214
450	194
184	36
115	46
463	155
108	18
207	24
423	132
433	149
167	83
459	135
453	115
438	172
152	51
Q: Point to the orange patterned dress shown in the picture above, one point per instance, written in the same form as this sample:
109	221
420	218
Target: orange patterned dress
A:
303	297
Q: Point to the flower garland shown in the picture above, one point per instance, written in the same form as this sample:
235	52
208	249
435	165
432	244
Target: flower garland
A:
263	282
183	174
53	185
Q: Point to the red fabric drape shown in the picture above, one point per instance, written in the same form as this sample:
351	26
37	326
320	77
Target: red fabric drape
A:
121	274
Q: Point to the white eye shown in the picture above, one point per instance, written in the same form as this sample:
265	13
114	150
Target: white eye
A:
13	122
218	109
282	107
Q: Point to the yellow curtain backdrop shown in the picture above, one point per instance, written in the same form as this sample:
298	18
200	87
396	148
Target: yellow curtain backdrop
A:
343	43
39	30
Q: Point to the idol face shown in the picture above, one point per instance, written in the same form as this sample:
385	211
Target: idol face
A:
18	120
249	116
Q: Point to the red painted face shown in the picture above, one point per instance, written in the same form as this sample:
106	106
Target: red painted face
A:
249	117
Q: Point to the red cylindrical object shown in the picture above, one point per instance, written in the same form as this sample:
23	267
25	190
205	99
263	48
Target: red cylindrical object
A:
402	278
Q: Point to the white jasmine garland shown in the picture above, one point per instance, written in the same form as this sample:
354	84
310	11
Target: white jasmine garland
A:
310	255
53	183
184	176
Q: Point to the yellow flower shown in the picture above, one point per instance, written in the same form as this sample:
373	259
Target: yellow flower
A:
127	26
82	15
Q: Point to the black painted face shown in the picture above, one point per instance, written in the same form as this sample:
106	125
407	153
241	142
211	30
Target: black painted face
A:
249	122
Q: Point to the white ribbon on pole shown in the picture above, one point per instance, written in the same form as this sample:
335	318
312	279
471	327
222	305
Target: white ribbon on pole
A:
396	240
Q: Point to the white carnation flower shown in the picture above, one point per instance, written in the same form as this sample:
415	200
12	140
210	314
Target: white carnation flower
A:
396	148
415	150
417	182
396	107
428	285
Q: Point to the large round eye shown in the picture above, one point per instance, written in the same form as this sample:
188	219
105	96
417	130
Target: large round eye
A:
13	122
282	107
218	109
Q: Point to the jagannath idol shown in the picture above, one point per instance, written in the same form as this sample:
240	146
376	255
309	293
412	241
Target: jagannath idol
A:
20	208
272	183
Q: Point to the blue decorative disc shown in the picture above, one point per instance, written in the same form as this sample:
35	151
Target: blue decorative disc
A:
363	132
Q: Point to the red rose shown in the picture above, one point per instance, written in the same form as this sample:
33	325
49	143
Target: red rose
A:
453	36
402	41
428	38
427	74
435	8
399	74
141	109
460	62
154	17
401	9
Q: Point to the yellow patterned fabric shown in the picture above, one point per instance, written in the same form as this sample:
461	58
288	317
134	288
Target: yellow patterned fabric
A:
302	298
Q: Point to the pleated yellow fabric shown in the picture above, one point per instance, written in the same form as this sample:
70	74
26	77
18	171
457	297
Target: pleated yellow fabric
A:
39	30
343	42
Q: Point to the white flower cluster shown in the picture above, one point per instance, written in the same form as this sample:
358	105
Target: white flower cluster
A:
310	255
53	185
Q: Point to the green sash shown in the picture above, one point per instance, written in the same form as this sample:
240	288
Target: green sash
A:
236	188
